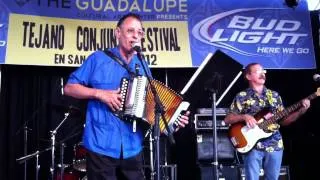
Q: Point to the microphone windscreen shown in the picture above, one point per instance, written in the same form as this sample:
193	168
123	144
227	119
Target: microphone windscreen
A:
316	77
136	46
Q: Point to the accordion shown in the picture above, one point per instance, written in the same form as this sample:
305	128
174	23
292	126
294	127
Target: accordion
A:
138	102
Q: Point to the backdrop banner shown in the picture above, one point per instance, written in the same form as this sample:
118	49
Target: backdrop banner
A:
178	33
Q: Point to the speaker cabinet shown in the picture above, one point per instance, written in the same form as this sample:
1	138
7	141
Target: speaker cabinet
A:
226	172
284	173
167	172
205	146
234	172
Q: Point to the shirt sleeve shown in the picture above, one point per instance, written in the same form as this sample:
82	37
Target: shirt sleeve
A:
82	74
236	106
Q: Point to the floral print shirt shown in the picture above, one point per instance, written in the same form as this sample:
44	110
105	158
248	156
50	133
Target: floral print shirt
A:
250	102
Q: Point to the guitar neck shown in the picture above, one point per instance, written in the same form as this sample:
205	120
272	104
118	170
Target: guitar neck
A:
279	115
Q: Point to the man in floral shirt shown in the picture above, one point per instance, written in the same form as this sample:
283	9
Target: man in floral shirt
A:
267	153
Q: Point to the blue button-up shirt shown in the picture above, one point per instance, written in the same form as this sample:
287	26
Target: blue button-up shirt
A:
104	132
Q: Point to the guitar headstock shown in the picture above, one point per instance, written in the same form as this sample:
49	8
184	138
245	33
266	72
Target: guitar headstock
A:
318	91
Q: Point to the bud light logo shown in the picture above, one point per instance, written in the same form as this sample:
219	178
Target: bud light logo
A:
245	32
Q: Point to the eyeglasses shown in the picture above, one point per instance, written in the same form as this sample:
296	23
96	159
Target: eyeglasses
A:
132	31
260	71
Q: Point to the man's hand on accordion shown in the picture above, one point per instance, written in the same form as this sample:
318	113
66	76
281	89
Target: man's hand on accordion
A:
110	97
182	120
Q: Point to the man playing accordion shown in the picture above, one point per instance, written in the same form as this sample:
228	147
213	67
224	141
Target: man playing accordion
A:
110	141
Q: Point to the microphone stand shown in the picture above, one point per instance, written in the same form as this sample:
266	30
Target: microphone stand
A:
61	160
25	148
159	110
37	166
152	172
214	131
25	137
213	85
36	154
53	138
27	157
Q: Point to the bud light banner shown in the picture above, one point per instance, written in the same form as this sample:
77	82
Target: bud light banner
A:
267	32
178	33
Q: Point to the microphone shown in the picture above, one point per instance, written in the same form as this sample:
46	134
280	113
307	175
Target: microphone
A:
61	84
136	46
74	111
73	108
316	77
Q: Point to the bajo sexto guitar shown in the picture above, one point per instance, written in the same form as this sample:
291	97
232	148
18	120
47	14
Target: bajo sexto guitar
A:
244	138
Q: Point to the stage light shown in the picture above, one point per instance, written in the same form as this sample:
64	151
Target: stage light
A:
292	3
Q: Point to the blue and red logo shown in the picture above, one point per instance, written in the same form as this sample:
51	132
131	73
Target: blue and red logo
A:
253	31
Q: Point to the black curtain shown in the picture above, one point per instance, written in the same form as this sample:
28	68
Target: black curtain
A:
31	97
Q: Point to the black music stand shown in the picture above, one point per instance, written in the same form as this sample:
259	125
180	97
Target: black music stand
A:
216	73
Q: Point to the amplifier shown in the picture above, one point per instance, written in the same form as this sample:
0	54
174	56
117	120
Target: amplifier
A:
205	145
284	173
231	172
226	172
168	172
220	111
204	122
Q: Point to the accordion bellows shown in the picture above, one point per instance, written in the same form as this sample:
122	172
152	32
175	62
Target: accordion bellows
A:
138	102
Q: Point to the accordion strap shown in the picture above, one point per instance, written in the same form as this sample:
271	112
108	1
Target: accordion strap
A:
118	60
